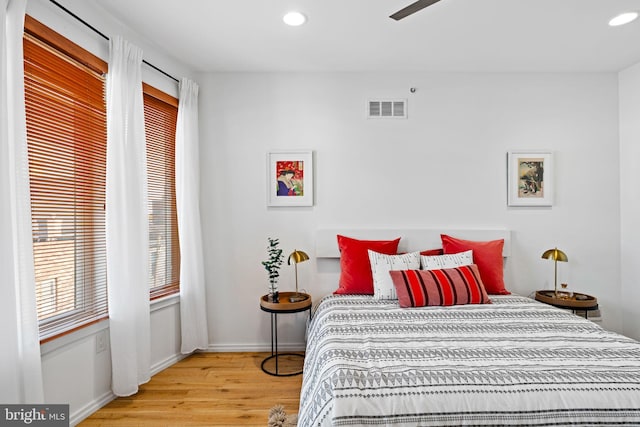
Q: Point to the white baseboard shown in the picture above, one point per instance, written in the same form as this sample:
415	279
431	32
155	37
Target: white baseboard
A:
77	417
164	364
253	348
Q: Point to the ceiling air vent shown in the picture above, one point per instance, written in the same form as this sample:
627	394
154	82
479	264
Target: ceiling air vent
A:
387	109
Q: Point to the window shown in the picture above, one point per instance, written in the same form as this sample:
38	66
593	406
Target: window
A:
160	116
66	137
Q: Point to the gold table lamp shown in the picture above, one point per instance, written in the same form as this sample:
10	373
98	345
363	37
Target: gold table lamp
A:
295	258
556	255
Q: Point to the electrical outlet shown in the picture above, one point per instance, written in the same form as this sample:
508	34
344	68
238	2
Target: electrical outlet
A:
101	341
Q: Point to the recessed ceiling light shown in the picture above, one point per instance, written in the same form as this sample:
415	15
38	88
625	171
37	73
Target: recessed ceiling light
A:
294	19
623	18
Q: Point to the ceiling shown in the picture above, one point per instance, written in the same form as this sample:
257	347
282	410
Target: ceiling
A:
358	35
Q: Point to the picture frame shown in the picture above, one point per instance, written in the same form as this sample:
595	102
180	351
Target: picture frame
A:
290	178
530	178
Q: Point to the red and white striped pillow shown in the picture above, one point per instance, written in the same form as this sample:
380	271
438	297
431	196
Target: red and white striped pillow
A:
449	286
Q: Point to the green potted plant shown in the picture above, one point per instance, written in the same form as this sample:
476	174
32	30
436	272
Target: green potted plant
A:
272	265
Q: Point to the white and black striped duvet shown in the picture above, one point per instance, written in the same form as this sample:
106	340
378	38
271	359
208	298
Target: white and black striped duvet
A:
513	362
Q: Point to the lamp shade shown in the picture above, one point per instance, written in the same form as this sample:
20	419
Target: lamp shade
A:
297	257
555	254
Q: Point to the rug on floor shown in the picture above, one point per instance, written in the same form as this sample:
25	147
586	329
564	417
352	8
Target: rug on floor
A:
279	418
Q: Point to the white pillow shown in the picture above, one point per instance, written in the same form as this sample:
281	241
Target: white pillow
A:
438	262
381	264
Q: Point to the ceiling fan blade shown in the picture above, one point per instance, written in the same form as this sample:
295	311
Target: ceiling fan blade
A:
412	8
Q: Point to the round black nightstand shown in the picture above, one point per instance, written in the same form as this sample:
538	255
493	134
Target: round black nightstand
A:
282	307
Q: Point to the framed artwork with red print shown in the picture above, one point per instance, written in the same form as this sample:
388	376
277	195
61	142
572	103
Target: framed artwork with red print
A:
290	178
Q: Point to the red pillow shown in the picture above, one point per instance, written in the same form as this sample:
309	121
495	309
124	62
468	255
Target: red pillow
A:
432	252
486	255
449	286
355	275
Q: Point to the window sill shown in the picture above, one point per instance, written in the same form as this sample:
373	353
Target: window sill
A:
166	301
93	329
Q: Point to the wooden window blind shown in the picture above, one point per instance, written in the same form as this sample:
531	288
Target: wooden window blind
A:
160	115
66	137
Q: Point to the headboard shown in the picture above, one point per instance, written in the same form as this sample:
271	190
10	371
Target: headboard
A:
411	239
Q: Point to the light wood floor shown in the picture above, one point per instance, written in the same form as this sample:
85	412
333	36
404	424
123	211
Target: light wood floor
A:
206	389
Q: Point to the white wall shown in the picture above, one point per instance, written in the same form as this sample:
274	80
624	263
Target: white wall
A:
74	371
445	166
630	198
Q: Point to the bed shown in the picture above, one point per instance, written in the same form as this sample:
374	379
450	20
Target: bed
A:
513	361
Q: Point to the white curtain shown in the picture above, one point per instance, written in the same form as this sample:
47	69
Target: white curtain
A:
127	220
193	313
20	363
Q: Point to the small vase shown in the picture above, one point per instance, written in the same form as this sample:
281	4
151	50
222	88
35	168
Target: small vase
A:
275	296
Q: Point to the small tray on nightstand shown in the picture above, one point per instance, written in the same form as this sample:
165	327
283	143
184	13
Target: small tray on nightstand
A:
574	301
285	305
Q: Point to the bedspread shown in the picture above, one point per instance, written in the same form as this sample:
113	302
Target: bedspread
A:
513	362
